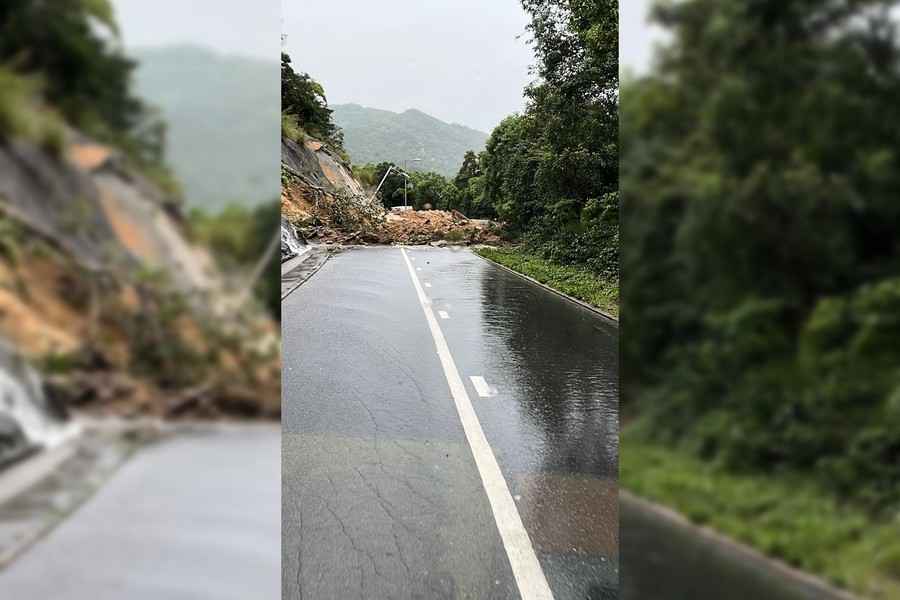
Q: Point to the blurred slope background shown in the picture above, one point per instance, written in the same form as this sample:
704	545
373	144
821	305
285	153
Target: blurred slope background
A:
222	139
122	302
761	283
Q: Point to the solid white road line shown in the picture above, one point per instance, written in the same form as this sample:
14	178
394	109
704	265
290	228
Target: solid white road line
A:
482	387
524	562
443	314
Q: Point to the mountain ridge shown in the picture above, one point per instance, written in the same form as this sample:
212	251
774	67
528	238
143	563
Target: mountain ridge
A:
374	135
224	151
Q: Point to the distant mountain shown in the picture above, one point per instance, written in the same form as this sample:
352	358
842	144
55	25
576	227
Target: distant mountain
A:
223	114
373	135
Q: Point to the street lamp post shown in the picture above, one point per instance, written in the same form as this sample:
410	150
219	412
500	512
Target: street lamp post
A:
405	179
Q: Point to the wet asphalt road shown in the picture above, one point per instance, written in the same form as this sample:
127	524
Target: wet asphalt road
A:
381	494
194	517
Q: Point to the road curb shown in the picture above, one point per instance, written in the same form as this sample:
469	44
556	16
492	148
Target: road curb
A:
613	320
328	254
24	475
815	582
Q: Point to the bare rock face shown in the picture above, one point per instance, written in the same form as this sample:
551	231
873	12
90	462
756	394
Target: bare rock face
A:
320	196
103	214
101	265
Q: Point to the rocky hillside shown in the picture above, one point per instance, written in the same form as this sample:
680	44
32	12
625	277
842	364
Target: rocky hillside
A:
321	201
319	193
374	136
103	291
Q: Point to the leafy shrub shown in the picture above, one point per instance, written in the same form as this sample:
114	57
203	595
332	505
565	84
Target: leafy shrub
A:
290	128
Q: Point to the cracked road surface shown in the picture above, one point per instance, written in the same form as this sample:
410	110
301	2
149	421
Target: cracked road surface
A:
193	517
382	494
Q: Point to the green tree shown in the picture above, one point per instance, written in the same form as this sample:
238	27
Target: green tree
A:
304	98
434	190
545	171
469	169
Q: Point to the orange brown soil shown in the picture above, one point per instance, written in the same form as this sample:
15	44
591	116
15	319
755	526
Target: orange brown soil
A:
312	210
106	347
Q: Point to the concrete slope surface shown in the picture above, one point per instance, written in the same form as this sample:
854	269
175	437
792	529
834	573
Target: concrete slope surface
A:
449	431
194	517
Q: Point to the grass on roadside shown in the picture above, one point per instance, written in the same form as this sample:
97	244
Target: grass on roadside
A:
785	517
576	282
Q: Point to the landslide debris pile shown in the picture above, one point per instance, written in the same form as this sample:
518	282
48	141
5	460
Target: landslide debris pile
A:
427	226
101	289
324	203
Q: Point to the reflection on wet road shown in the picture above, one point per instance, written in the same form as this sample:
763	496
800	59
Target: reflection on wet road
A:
381	494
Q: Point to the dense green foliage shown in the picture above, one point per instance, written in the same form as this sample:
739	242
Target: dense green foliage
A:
573	281
791	518
762	289
375	136
225	105
239	237
303	99
552	172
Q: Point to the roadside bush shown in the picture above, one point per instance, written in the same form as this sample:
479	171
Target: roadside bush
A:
587	238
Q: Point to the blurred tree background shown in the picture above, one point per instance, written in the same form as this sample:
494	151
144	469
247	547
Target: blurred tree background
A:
239	237
762	291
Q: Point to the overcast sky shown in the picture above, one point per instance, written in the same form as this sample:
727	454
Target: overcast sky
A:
458	60
636	37
464	61
249	28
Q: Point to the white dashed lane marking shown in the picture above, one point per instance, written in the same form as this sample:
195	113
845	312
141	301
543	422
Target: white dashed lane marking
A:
526	568
482	387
